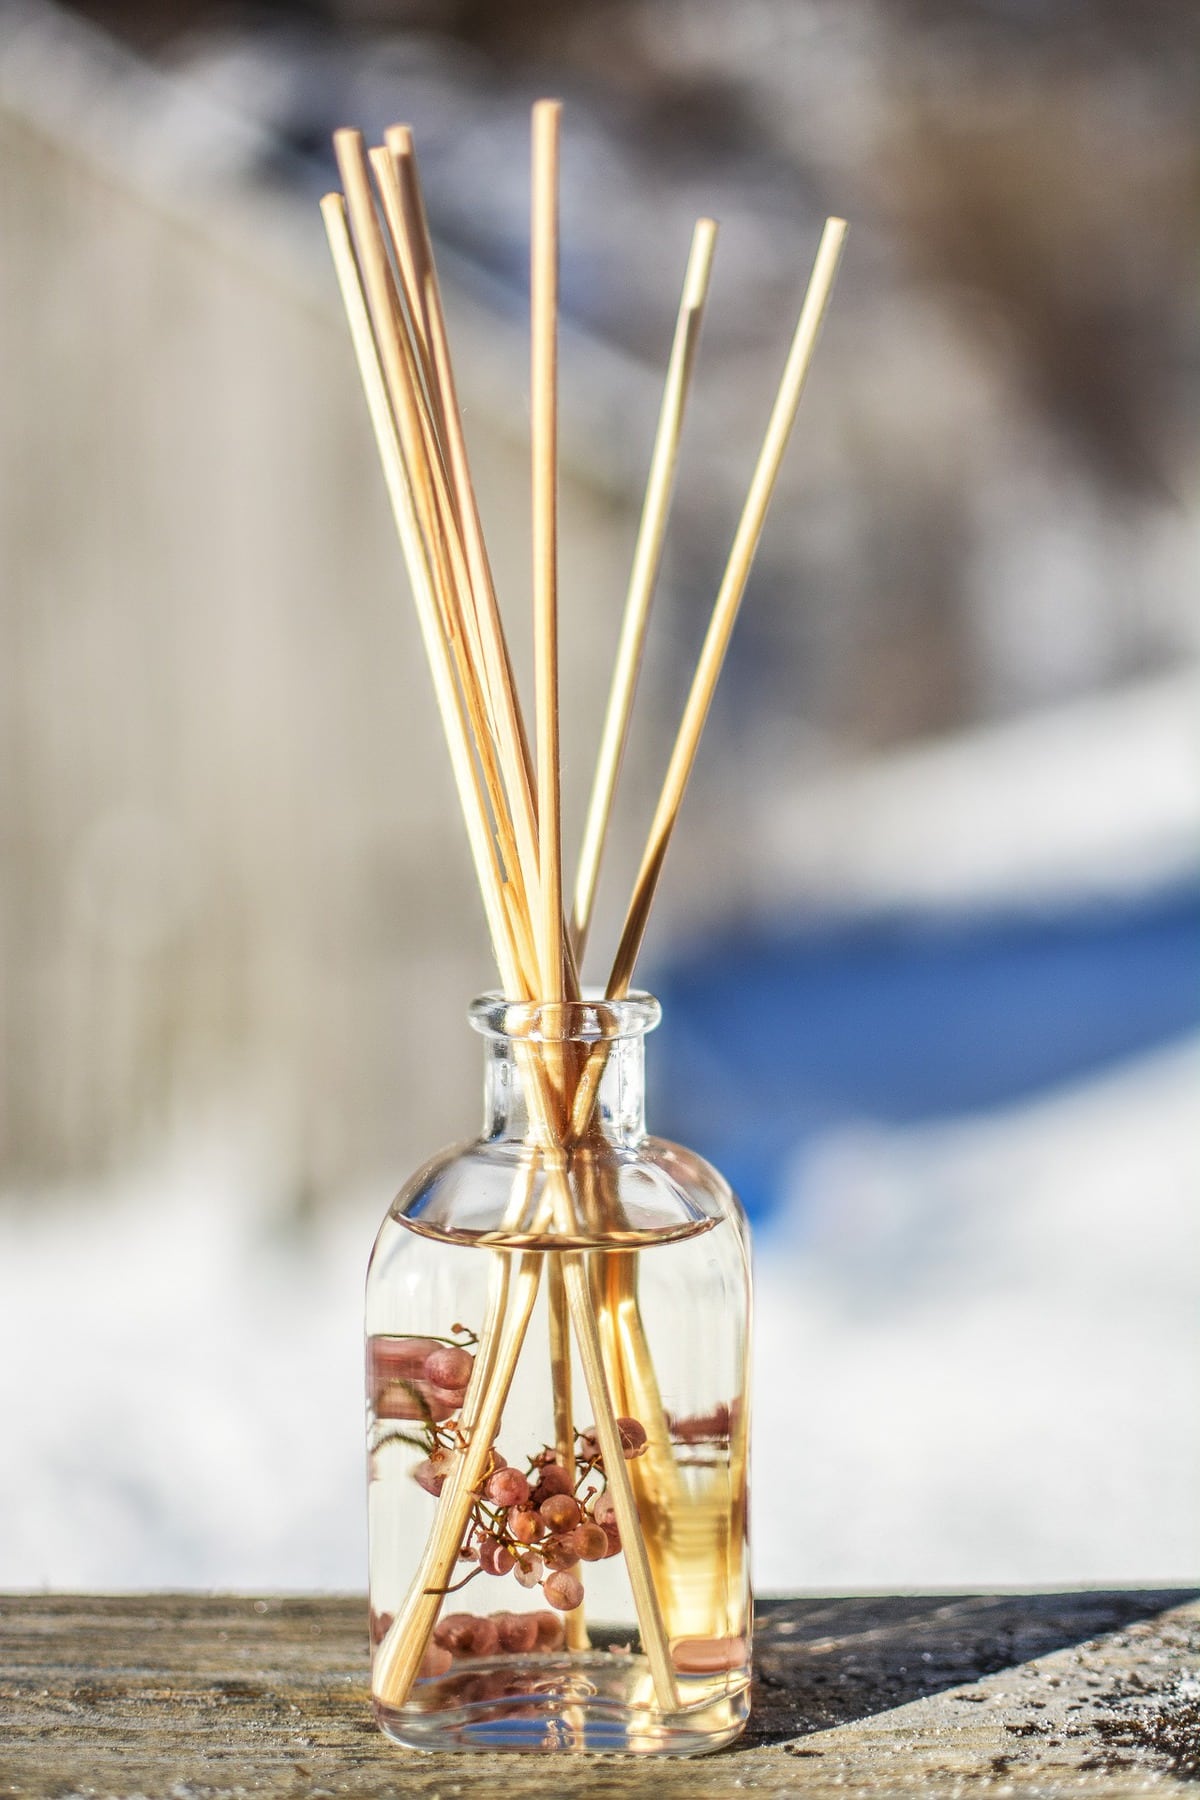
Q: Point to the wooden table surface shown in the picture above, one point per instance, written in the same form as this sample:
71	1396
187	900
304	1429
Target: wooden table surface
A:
190	1695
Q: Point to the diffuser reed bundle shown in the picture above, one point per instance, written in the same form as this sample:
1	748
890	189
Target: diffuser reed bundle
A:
509	794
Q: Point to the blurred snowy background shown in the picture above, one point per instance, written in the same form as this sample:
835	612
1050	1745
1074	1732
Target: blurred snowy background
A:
929	941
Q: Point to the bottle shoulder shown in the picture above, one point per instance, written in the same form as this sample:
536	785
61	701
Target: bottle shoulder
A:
500	1193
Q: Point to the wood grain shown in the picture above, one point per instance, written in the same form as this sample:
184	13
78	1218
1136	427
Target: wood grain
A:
187	1695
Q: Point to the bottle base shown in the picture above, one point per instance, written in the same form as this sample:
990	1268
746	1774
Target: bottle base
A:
590	1704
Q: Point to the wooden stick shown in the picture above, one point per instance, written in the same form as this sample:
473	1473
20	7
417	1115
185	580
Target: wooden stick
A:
513	742
550	935
412	249
564	1412
544	427
404	206
422	451
483	851
729	596
397	213
647	558
637	1563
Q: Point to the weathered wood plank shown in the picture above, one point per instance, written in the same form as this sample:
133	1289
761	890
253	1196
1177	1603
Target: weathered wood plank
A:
212	1697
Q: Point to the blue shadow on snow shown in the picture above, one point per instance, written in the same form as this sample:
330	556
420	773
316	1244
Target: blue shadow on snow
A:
777	1034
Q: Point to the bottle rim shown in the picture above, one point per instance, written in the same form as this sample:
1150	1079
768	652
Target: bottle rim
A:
592	1020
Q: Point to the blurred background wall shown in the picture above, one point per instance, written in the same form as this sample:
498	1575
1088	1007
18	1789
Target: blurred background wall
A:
929	939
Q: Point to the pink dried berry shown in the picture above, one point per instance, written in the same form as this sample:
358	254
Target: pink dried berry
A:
425	1478
633	1436
518	1632
560	1512
563	1591
435	1661
604	1511
465	1634
442	1402
523	1524
708	1656
494	1558
550	1631
560	1552
450	1631
530	1570
449	1367
507	1487
590	1542
432	1471
552	1479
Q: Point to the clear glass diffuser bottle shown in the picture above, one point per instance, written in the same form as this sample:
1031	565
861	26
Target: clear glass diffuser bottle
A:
557	1337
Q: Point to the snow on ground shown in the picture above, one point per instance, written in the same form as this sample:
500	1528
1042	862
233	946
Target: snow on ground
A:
1097	797
980	1362
977	1353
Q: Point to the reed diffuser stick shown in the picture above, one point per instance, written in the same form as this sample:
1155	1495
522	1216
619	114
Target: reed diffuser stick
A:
729	597
547	116
413	253
427	478
647	558
564	1410
500	683
454	724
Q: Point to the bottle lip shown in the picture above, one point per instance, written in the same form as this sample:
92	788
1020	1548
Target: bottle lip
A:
592	1020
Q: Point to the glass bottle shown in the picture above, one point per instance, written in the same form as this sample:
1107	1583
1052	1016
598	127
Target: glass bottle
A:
557	1363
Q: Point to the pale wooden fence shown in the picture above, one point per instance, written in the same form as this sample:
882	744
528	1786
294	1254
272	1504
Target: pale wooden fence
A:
234	888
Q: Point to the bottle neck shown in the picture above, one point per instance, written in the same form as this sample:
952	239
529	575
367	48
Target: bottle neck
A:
510	1066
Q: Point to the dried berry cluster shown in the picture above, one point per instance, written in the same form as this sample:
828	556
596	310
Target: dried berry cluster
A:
541	1524
538	1524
